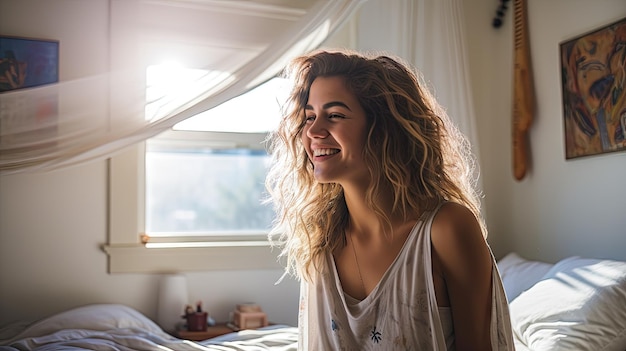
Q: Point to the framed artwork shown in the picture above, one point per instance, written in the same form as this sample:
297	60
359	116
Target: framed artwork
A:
28	120
26	63
593	75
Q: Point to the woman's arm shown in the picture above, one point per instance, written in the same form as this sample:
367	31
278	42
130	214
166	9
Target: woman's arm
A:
463	257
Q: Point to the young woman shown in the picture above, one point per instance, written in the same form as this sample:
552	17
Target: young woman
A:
377	213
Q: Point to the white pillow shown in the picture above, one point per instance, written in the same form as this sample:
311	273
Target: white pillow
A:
98	317
580	304
519	274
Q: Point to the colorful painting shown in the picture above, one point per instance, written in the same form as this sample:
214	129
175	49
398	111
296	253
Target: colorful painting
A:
26	63
593	69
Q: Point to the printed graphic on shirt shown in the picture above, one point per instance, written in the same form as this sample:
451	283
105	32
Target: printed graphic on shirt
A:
376	336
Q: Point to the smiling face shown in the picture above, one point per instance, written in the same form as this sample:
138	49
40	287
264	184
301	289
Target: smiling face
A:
334	134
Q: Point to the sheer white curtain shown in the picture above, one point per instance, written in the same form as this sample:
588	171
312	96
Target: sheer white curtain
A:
430	35
233	45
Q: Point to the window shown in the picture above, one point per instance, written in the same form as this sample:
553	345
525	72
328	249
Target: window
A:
201	186
204	188
192	198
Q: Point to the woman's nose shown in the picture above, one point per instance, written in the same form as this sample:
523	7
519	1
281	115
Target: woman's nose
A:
318	129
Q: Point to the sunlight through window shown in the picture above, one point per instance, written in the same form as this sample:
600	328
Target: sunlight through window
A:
170	85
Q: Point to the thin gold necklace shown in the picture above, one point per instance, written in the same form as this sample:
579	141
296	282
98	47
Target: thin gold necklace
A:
358	267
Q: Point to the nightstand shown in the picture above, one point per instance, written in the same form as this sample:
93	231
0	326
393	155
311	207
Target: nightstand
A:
211	332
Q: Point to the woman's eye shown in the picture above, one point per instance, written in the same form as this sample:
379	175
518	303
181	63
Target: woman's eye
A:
335	115
309	119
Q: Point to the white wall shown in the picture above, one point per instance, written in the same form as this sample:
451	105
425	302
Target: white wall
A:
561	208
51	225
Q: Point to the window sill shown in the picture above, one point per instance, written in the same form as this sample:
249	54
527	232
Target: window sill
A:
136	258
127	254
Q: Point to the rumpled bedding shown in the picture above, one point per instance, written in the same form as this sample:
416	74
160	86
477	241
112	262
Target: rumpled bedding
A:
109	327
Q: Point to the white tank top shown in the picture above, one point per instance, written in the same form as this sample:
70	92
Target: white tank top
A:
401	313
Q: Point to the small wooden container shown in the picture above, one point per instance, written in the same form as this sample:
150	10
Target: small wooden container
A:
197	321
249	316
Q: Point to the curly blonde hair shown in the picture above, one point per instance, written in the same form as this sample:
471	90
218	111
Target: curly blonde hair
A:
411	146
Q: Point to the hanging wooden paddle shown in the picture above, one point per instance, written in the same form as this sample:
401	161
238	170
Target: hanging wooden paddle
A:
523	93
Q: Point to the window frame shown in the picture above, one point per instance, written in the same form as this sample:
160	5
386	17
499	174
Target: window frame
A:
126	251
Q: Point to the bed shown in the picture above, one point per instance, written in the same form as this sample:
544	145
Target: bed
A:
119	327
575	304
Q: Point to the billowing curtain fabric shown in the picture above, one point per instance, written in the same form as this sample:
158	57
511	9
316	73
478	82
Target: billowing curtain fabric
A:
232	45
430	35
441	49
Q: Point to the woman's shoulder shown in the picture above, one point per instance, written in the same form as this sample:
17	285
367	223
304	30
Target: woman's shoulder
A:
455	229
452	215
